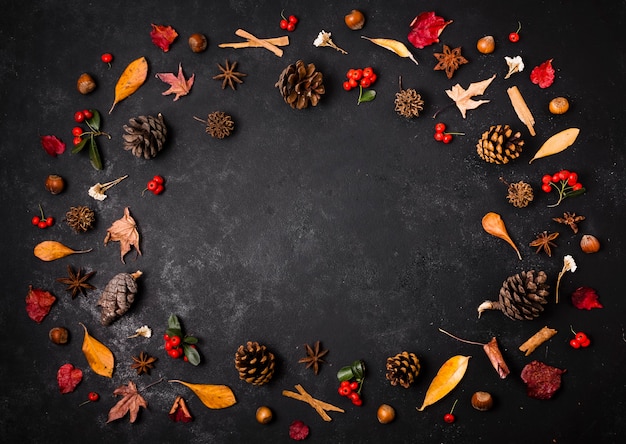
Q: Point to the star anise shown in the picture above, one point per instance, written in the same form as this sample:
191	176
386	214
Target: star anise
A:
544	242
449	60
229	76
143	363
313	357
77	282
571	220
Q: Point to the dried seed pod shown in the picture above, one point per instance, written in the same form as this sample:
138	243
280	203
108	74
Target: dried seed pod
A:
589	244
482	401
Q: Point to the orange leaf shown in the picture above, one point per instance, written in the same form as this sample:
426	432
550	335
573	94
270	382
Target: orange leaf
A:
448	376
98	356
130	403
178	84
52	250
131	79
463	97
125	231
212	396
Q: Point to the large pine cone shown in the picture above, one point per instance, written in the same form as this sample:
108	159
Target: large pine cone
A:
301	84
145	136
118	296
402	369
521	297
255	363
499	144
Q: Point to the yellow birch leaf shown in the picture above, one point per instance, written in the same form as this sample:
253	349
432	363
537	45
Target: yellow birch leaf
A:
448	376
52	250
131	79
213	396
98	356
557	143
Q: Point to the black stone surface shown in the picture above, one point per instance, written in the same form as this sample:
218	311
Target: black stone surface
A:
342	223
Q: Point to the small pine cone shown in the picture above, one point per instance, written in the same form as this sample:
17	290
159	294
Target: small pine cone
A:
402	369
145	136
219	124
255	363
80	218
499	144
522	296
300	85
520	194
408	103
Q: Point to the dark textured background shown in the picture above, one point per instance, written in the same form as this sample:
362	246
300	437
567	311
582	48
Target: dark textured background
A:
346	224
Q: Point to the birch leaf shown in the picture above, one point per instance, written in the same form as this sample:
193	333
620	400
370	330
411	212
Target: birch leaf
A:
448	376
98	356
212	396
132	78
463	97
124	231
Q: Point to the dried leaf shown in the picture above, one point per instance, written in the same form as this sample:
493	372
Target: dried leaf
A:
541	380
179	411
494	225
543	75
130	403
163	36
426	28
394	46
125	231
38	303
536	340
98	356
495	357
52	250
557	143
178	84
68	377
53	145
463	98
448	376
585	298
213	396
131	79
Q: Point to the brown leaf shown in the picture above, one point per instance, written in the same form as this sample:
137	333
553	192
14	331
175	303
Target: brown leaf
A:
463	97
130	403
125	231
178	84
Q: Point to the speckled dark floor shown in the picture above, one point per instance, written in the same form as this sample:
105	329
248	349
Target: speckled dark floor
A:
341	223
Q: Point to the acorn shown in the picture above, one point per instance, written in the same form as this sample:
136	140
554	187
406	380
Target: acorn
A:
558	105
482	401
264	414
355	20
486	45
85	84
589	244
59	335
54	183
385	414
197	42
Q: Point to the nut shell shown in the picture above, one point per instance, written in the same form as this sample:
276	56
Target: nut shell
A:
198	42
486	45
54	184
85	84
558	105
589	244
264	414
355	20
59	335
385	414
482	401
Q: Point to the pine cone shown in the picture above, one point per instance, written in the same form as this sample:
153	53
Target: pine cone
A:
521	297
408	103
402	369
80	218
255	363
118	296
145	136
499	144
219	124
520	194
301	84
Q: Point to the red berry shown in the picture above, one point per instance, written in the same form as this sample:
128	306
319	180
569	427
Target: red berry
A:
574	343
438	136
79	116
168	345
546	187
440	127
358	402
514	37
152	185
353	83
158	179
354	385
49	221
291	27
93	396
346	86
572	179
546	179
35	220
88	114
76	140
577	186
293	19
447	138
344	384
42	224
77	131
166	337
353	396
365	82
185	358
580	337
173	353
106	57
449	418
373	78
159	189
344	391
175	341
563	174
283	24
349	73
357	74
556	178
586	343
367	72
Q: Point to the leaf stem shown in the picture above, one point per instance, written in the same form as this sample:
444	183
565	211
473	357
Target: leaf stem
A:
151	384
459	339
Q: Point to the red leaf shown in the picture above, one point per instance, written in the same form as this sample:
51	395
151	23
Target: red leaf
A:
53	145
543	75
68	377
298	430
38	303
426	28
163	36
585	298
179	411
178	84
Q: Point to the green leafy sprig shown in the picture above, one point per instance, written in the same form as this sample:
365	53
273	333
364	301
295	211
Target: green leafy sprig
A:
89	138
354	371
365	96
174	329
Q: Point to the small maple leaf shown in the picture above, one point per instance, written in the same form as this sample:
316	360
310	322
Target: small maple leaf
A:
130	403
163	36
52	145
426	28
125	231
178	84
463	97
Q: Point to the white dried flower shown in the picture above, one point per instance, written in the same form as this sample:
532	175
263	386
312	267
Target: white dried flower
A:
569	264
98	190
515	64
144	331
323	39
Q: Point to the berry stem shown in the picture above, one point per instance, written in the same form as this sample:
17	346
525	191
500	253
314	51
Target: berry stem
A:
519	27
445	107
41	211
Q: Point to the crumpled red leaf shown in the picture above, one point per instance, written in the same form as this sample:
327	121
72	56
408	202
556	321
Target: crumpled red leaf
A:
542	380
179	411
543	75
586	298
163	36
426	28
130	403
298	430
38	303
68	377
178	84
53	145
125	231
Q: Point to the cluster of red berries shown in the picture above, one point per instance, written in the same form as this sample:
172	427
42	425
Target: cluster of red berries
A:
564	182
42	221
580	340
77	131
155	185
442	136
288	23
351	390
174	347
359	77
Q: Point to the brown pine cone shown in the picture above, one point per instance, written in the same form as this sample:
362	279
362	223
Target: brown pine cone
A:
145	136
255	363
301	85
521	297
499	144
402	369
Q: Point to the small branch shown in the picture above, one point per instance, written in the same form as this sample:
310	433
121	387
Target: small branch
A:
154	383
459	339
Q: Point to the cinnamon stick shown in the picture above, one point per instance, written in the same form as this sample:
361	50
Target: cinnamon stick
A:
270	47
277	41
537	339
319	406
521	109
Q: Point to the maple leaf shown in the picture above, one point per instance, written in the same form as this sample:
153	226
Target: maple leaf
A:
130	403
463	97
125	231
53	145
178	84
68	377
543	75
38	303
426	28
163	36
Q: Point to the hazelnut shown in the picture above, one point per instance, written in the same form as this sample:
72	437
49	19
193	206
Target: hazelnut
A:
54	183
558	105
264	414
59	335
385	414
589	244
197	42
486	45
85	84
482	401
355	20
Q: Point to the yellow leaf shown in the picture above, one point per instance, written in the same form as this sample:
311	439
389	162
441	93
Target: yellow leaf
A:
557	143
98	356
448	376
211	395
131	79
52	250
394	46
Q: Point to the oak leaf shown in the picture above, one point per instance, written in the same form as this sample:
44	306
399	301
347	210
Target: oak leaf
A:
426	28
163	36
178	84
124	231
130	403
68	377
463	97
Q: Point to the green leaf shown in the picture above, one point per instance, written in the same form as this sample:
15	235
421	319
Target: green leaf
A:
367	96
345	373
192	354
172	322
94	122
171	332
80	146
575	193
358	370
94	155
190	340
